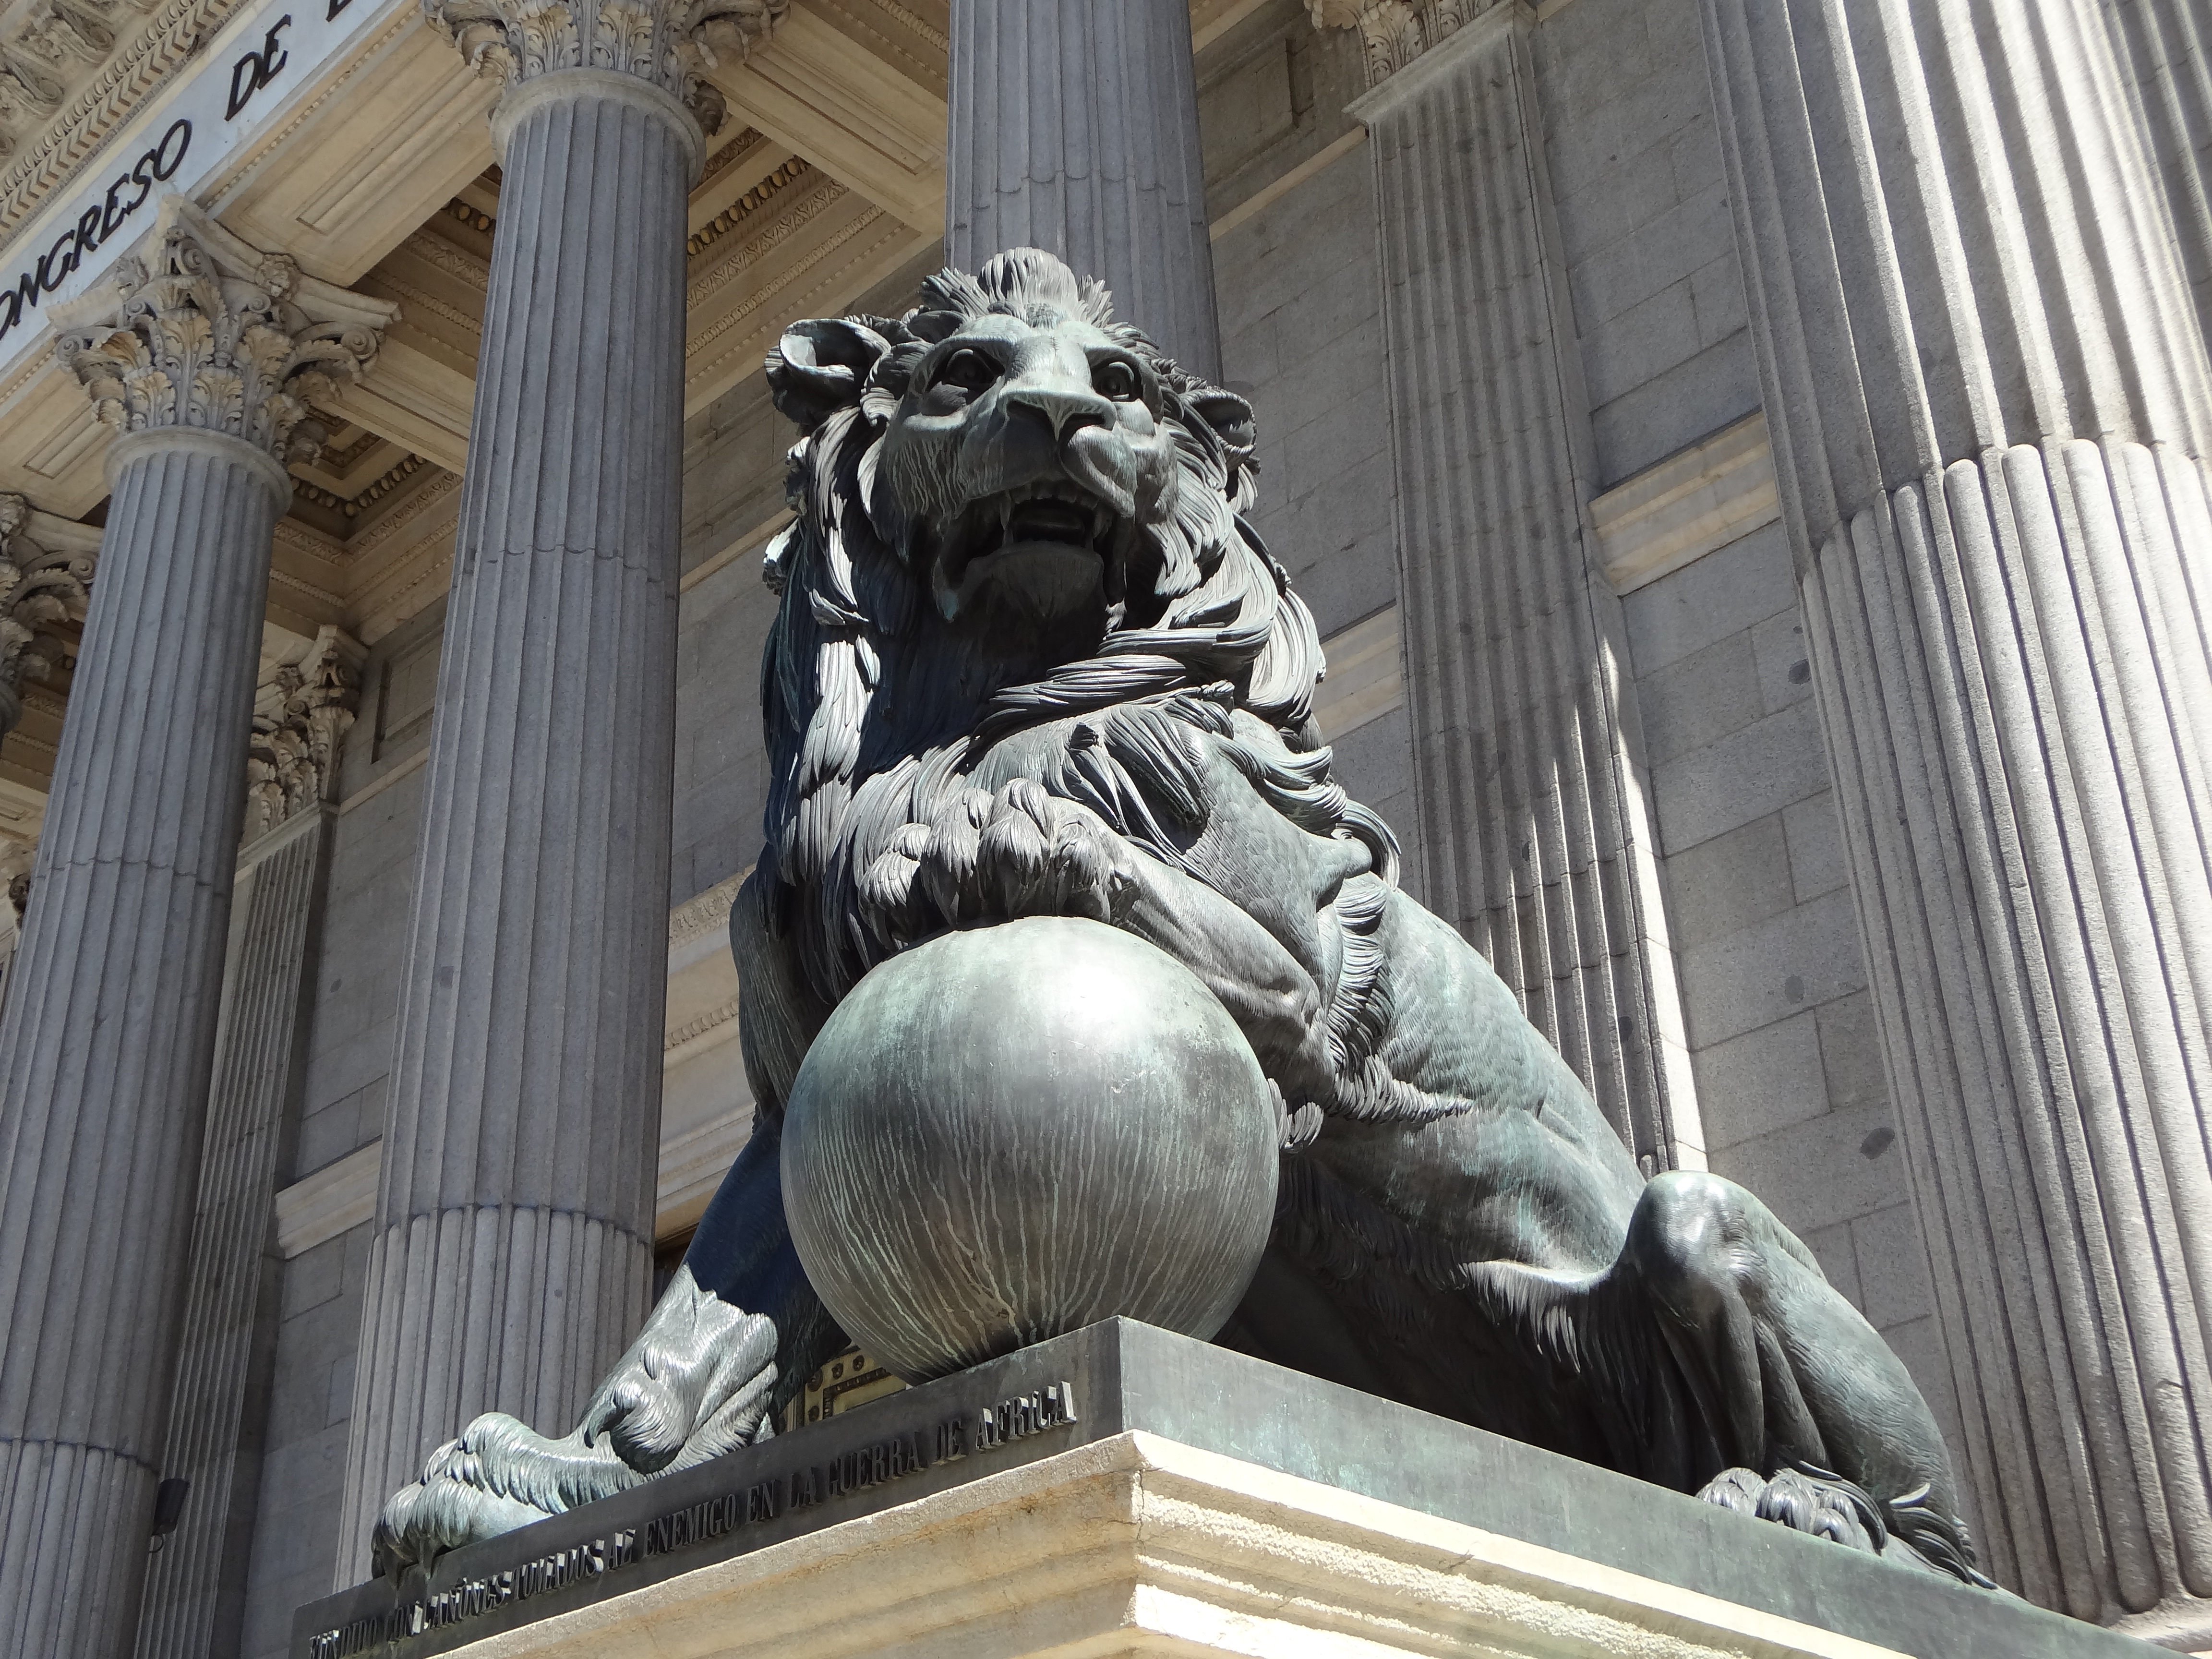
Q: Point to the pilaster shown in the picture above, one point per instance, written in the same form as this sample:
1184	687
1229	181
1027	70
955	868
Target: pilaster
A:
1990	402
207	354
1538	841
196	1587
1074	128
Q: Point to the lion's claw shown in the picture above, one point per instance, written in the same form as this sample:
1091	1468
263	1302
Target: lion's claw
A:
499	1475
1024	852
695	1383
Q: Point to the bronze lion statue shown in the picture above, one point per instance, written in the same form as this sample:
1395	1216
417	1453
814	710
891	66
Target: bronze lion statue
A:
1031	658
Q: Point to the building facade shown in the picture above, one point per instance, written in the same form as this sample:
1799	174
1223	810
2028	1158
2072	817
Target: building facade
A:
1749	462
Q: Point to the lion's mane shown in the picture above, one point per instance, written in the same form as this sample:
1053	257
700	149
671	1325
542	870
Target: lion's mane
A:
866	737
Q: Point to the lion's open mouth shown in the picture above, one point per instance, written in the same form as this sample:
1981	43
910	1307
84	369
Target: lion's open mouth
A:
1052	541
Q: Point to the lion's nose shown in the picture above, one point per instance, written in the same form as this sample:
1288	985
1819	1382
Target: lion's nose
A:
1064	411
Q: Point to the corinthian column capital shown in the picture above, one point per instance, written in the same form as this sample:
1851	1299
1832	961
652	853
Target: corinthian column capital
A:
668	44
204	333
298	720
1394	33
40	588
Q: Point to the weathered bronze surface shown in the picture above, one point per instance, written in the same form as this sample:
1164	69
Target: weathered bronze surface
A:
1032	660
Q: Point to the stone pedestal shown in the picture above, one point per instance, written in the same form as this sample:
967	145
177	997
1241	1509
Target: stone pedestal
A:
1074	128
1122	1491
208	358
1991	411
1538	841
513	1239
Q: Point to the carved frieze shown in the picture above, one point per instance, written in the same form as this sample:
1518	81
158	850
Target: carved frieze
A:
62	33
298	717
209	333
41	590
669	43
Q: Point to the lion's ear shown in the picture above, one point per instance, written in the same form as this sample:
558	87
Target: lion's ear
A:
1229	414
820	367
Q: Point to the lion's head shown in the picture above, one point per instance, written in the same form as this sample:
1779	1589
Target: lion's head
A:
1010	507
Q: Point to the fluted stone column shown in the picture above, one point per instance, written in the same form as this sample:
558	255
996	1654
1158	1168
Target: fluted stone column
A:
1539	843
196	1587
1991	404
207	356
2166	49
1074	128
513	1239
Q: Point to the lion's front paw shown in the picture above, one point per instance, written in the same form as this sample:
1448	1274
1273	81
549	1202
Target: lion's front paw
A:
1827	1506
499	1475
1022	852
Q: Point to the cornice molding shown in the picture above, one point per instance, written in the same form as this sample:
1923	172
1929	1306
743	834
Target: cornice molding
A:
306	540
703	912
362	500
709	371
739	263
428	499
268	143
454	261
734	218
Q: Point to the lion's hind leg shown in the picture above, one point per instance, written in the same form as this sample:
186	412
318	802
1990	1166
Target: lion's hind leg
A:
1808	1413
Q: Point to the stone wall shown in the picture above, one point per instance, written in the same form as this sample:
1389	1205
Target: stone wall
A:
1644	225
1300	301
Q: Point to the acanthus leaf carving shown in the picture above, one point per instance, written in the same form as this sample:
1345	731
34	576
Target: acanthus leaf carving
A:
61	32
300	716
671	43
41	590
1394	33
207	332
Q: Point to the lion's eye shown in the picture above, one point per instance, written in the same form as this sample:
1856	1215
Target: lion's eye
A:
1115	379
971	371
